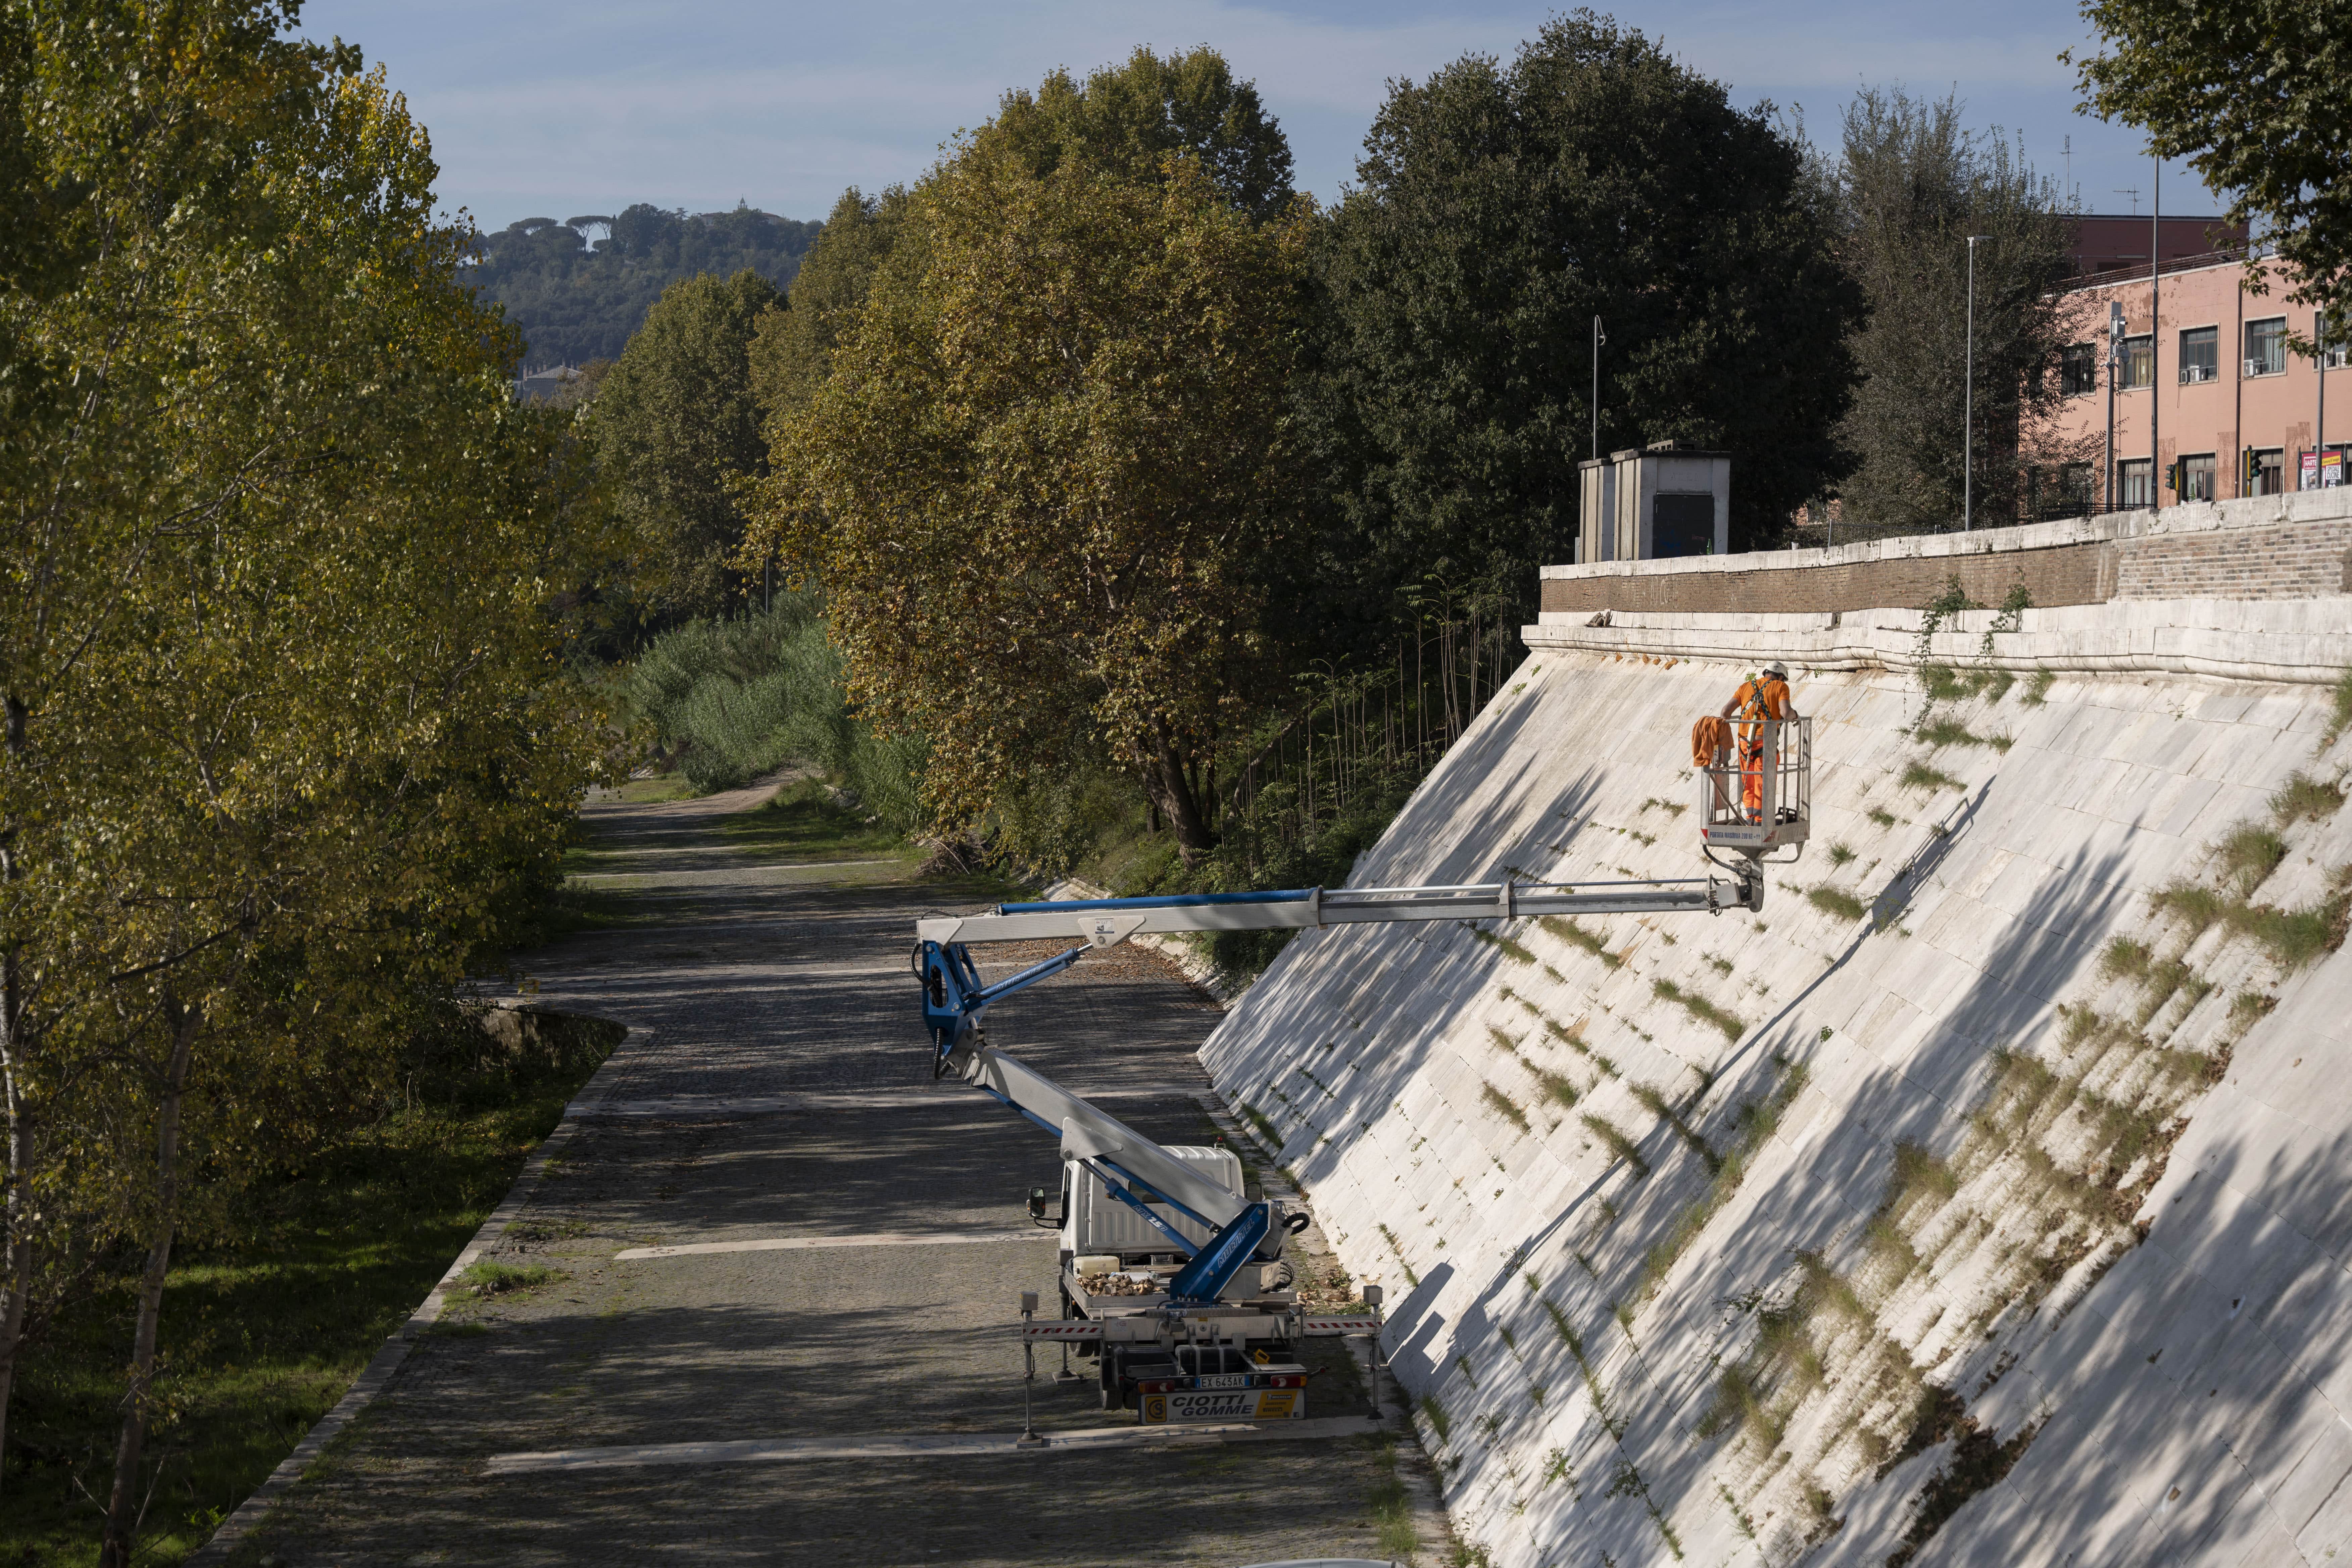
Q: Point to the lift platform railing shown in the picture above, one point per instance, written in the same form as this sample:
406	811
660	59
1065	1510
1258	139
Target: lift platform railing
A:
1759	797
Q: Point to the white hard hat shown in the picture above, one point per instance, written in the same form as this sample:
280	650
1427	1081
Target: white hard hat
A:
1777	667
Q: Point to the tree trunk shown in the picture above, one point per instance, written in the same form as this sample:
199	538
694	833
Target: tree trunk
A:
14	1050
1172	793
18	1283
123	1509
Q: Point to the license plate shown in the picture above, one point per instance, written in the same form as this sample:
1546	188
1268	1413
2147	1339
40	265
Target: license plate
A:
1223	1380
1238	1404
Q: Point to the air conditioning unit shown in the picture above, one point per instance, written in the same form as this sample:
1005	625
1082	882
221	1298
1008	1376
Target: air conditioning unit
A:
2196	373
2258	367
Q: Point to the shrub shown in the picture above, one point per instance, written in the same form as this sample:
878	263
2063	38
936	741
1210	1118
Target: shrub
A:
2302	797
2250	854
1920	776
1837	902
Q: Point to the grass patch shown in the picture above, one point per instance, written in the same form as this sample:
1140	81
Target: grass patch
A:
1699	1008
1840	855
1836	902
1265	1129
1558	1086
1755	1123
2125	956
1391	1508
488	1277
2305	799
2292	938
1881	815
1672	808
2248	1006
269	1316
2343	695
1505	1107
1569	930
1438	1419
2037	691
1573	1041
801	822
1656	1105
1952	732
1920	776
1505	946
1398	1247
1618	1144
2248	857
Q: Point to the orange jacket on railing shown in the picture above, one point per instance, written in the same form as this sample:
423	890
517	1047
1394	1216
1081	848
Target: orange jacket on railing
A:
1710	738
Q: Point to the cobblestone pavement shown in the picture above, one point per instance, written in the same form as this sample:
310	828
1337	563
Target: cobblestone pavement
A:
776	1085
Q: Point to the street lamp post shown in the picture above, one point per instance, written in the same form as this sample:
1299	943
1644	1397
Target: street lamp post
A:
1968	402
1598	338
2115	368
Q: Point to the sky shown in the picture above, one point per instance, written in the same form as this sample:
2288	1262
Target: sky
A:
545	109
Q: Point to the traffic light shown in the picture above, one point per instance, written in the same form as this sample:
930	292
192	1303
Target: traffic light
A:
2249	471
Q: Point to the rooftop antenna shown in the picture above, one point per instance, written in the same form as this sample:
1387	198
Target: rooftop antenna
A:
2133	192
2070	191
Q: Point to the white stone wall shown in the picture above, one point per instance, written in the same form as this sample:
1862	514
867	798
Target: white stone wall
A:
2187	1393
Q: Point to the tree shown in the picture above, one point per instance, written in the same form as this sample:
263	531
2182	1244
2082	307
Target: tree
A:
1128	119
1913	183
1040	483
2252	96
286	735
790	350
676	425
576	298
1499	210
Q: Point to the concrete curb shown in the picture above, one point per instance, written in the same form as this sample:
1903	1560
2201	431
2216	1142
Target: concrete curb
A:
379	1373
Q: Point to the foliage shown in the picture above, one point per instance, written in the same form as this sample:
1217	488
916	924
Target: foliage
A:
1913	183
790	350
676	425
576	299
1127	121
288	753
1499	210
2250	95
734	699
1054	429
308	1270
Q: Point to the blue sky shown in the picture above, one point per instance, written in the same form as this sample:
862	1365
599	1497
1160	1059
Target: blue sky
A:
538	108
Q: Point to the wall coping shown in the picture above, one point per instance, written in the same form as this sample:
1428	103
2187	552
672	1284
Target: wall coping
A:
2189	517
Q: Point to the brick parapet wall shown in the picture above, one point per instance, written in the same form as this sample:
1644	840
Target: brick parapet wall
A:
2273	547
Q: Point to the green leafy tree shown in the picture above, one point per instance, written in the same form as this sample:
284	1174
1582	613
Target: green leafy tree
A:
575	298
1040	484
676	428
2252	96
792	349
286	739
1127	120
1500	208
1913	183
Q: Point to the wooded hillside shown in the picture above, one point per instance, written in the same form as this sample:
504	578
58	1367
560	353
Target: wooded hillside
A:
577	289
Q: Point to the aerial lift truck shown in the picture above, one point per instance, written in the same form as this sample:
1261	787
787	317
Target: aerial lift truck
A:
1166	1263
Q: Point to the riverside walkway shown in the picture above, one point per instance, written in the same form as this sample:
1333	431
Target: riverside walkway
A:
787	1265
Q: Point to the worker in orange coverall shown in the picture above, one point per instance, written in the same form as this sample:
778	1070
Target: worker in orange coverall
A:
1762	695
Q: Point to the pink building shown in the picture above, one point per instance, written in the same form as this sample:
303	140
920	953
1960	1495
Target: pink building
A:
2205	398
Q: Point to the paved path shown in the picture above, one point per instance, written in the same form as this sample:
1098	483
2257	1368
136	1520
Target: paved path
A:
789	1265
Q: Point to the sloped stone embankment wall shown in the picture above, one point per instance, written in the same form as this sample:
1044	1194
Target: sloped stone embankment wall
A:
1984	1199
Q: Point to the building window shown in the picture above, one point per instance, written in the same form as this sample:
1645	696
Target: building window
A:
2332	354
2265	471
2201	354
2078	370
2132	488
2139	361
2266	347
2190	477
